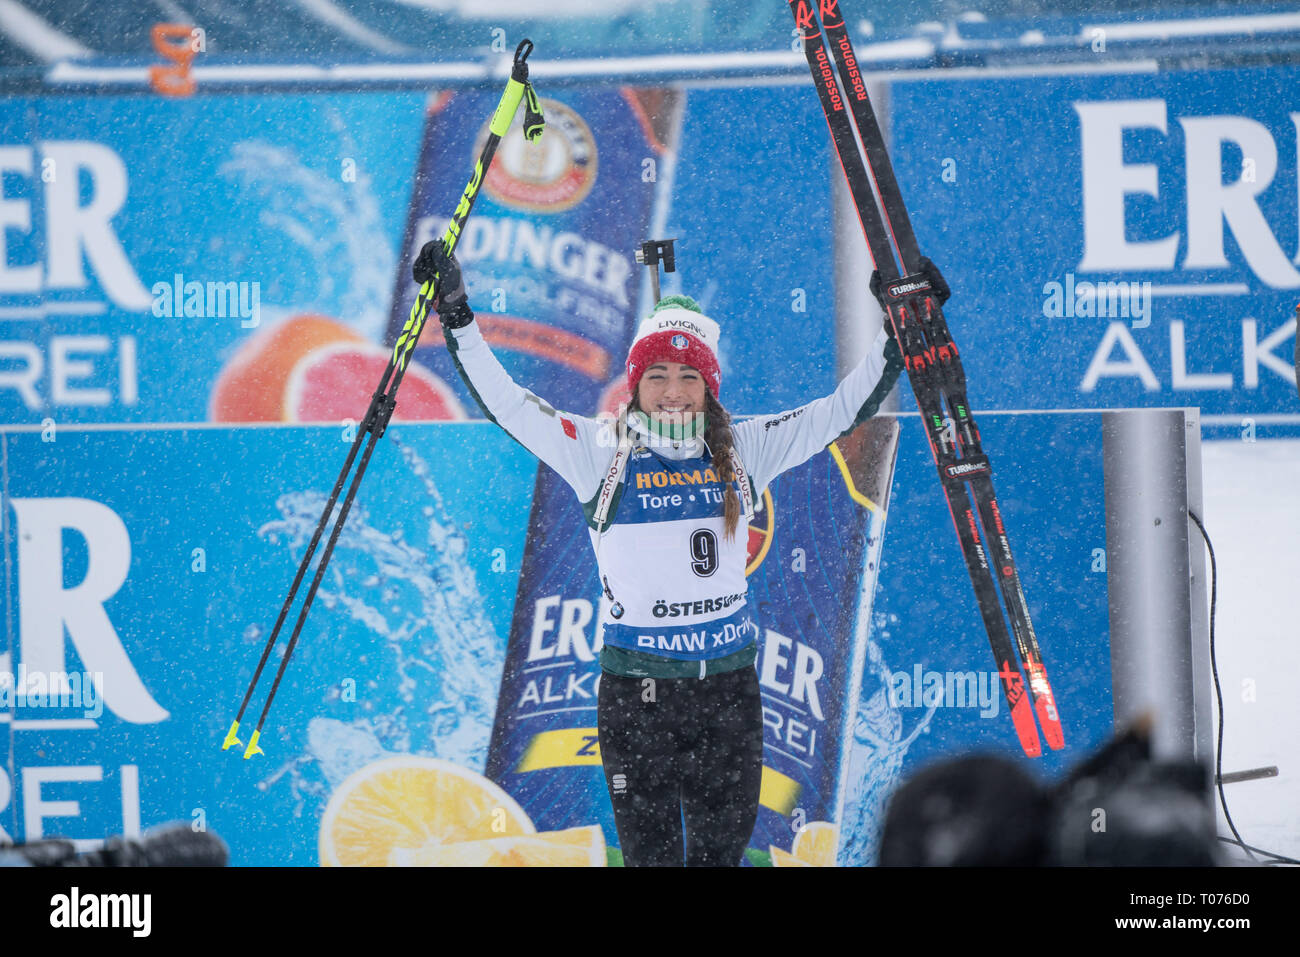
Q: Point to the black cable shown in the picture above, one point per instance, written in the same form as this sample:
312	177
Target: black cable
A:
1277	858
1218	693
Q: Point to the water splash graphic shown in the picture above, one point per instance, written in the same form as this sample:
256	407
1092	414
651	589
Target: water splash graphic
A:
338	225
875	758
431	636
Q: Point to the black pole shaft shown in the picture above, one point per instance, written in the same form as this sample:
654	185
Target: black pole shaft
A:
410	336
320	573
304	564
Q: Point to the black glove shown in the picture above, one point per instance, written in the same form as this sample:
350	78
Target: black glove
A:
451	302
928	269
937	282
875	286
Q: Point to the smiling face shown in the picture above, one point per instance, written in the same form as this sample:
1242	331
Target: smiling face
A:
671	393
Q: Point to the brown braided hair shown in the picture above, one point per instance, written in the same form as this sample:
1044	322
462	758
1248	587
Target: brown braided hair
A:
718	437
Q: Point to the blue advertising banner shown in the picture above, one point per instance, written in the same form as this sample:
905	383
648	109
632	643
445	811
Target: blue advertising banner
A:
752	208
143	570
548	250
148	241
936	685
1135	245
242	257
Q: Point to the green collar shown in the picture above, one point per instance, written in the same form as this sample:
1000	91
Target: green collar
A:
673	431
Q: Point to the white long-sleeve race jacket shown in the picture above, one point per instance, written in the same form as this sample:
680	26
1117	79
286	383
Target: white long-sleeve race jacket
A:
675	583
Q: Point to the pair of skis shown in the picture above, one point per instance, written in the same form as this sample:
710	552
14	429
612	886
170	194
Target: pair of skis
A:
934	370
384	400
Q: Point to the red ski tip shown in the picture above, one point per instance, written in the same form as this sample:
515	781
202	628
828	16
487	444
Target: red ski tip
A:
1023	719
1051	723
1045	707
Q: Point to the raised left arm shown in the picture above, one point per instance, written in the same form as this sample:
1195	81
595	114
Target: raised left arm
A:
771	444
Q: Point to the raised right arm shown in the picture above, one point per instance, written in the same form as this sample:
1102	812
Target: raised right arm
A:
577	447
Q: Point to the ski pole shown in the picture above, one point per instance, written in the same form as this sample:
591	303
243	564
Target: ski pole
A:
384	399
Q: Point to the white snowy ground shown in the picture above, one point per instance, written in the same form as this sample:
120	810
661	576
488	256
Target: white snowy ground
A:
1252	515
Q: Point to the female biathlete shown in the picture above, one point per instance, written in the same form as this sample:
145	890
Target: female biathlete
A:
664	490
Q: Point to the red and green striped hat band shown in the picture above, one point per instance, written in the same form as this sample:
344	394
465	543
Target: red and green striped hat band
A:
677	331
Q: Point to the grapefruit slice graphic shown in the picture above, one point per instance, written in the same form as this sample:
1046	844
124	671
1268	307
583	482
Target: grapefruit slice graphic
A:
251	386
335	383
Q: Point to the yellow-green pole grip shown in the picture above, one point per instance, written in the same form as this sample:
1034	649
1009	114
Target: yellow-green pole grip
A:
505	113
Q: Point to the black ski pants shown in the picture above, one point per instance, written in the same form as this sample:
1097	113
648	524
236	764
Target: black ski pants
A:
683	761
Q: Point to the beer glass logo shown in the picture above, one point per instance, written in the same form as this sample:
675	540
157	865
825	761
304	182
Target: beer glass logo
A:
551	175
